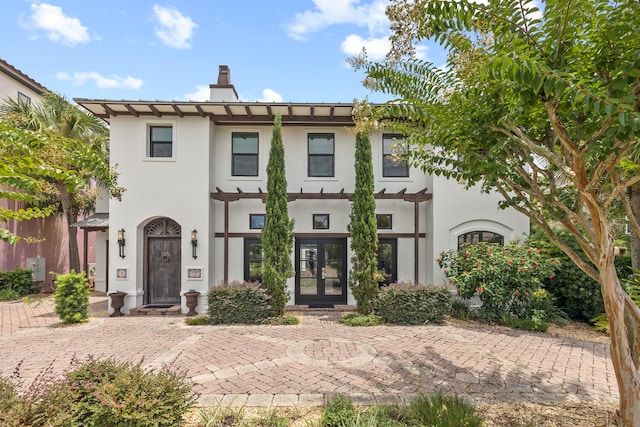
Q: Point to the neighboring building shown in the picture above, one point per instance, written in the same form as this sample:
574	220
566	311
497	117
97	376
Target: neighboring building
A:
48	244
195	179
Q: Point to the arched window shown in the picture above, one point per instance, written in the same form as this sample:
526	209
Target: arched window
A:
475	237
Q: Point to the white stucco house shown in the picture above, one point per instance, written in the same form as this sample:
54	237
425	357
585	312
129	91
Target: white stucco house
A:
195	179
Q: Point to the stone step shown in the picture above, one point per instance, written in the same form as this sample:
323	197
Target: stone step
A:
156	310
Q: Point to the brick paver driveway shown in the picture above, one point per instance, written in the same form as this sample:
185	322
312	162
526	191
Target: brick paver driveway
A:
301	365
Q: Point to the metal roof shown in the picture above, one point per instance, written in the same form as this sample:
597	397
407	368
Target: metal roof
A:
225	113
97	221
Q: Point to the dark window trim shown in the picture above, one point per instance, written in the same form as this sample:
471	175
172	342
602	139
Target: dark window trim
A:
152	143
394	257
256	154
24	98
247	244
495	236
390	222
315	221
251	217
405	163
332	156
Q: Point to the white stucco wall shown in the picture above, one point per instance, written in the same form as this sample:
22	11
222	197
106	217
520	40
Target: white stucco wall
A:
176	188
9	88
456	211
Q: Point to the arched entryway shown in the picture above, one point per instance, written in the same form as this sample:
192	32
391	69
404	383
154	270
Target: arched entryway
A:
162	262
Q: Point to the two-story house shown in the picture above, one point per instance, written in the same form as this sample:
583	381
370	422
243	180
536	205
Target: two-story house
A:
193	209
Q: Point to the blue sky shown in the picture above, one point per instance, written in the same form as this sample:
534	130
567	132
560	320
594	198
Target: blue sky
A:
279	50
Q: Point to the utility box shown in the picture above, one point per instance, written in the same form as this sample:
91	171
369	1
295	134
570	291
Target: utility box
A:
38	267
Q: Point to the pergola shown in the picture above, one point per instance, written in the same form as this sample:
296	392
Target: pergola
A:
228	197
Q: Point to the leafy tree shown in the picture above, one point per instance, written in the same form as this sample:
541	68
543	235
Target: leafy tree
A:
21	177
540	106
363	230
277	234
78	145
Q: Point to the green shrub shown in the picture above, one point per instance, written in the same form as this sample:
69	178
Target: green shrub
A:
8	295
9	402
72	297
355	319
338	412
460	309
411	304
443	410
544	305
19	281
504	278
535	323
104	393
197	320
238	302
282	320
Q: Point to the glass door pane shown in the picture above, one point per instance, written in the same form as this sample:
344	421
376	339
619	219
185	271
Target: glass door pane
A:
332	271
308	257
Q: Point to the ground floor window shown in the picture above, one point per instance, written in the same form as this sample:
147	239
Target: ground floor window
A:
388	259
253	260
475	237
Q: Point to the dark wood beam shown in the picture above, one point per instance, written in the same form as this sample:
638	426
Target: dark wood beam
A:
178	111
132	110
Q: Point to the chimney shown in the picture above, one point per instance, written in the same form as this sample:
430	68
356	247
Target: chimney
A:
223	91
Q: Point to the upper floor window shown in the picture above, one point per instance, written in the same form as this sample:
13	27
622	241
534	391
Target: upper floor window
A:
475	237
244	154
161	141
321	155
394	146
256	221
320	221
24	99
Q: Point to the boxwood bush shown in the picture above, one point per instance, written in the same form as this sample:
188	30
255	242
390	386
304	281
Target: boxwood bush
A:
413	304
238	302
72	297
16	283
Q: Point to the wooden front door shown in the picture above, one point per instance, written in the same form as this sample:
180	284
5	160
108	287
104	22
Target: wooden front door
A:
321	272
163	262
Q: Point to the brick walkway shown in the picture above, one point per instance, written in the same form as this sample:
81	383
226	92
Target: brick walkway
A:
302	365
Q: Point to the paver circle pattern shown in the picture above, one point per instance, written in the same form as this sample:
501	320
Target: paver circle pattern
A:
271	365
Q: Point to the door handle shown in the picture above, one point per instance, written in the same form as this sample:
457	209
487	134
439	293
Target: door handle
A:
324	276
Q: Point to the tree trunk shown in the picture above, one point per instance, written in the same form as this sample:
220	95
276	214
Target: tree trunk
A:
624	323
634	200
72	232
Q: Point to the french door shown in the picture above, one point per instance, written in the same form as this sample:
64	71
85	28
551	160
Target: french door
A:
321	272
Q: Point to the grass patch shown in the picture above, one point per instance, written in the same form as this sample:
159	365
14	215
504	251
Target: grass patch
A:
355	319
197	320
282	320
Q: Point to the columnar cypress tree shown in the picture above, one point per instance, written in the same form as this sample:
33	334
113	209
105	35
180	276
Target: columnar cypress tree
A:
277	234
363	229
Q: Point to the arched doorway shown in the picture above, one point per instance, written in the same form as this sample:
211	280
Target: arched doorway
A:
162	262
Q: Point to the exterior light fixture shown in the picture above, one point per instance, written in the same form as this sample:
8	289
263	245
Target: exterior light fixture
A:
194	243
121	242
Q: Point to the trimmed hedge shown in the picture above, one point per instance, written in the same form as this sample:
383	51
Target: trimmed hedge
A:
72	297
18	280
413	304
238	302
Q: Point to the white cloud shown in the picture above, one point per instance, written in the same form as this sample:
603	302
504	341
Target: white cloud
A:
201	93
270	95
330	12
376	48
58	26
100	81
175	30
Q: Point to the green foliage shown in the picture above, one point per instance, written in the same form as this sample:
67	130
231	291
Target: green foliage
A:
197	320
72	297
413	304
443	410
356	319
282	320
460	309
363	230
16	283
632	287
504	278
338	412
99	393
277	234
534	323
238	302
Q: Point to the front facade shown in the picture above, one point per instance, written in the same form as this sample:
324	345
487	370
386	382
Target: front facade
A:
193	209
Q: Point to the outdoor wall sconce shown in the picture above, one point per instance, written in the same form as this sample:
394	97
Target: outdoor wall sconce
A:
121	242
194	243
